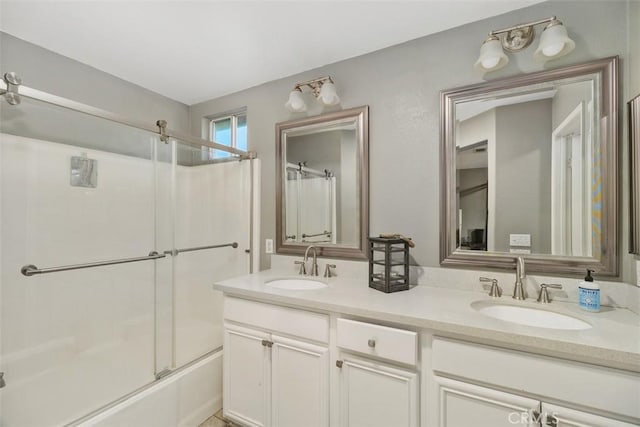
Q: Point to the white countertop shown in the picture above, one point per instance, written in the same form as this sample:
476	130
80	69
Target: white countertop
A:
614	339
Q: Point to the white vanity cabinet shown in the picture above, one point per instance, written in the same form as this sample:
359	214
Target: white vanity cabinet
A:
480	393
286	367
463	404
246	376
374	390
271	378
562	416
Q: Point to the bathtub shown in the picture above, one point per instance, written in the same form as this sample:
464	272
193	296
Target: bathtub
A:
185	398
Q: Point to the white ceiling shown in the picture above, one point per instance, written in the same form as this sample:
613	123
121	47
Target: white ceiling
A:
192	51
466	110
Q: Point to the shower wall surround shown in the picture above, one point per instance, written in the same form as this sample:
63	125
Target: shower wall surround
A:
401	85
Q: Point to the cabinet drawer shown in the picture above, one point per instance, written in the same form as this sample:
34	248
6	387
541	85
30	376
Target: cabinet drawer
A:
380	341
591	386
306	324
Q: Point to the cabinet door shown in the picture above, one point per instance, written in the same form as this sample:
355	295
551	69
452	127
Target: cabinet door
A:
375	394
560	416
299	383
246	388
464	405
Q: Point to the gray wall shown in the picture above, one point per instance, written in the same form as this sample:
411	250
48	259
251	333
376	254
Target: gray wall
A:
401	84
319	150
53	73
523	175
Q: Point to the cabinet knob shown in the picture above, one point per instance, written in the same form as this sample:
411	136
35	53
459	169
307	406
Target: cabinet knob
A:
339	363
371	343
267	343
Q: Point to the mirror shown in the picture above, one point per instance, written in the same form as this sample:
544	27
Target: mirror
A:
530	169
322	184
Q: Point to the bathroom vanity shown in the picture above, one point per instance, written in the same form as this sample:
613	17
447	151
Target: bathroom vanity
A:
348	355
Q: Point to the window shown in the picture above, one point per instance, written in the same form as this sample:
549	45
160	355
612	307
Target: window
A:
230	130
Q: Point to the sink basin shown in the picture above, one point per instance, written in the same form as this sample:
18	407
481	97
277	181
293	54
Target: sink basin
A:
296	284
529	316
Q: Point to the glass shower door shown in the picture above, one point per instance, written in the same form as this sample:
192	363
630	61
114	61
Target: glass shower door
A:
79	195
75	190
212	208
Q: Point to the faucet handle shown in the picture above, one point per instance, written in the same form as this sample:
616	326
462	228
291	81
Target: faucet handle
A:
543	296
496	291
303	267
327	270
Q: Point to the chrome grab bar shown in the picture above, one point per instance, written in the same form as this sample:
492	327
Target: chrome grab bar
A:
324	233
175	252
31	270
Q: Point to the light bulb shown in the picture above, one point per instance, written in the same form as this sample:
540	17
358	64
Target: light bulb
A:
328	95
489	63
492	56
296	102
554	42
553	50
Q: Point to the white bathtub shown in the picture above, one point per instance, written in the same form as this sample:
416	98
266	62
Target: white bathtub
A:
185	398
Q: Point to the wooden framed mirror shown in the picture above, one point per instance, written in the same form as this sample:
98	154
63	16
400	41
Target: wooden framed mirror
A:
529	167
322	184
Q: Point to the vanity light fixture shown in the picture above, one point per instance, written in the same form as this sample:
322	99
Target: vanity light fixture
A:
554	43
322	88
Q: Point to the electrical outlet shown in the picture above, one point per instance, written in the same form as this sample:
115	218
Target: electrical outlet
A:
268	246
523	240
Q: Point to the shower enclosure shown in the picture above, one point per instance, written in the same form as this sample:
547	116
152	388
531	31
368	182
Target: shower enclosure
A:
112	233
310	205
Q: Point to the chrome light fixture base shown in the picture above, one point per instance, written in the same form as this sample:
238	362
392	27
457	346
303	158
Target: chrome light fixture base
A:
518	38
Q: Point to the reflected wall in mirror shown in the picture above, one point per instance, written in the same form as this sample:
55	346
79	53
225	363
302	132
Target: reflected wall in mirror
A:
530	169
322	184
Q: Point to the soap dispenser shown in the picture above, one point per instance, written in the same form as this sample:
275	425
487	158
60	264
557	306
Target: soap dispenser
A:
589	294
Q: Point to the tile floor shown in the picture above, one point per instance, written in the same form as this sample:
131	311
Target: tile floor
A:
217	420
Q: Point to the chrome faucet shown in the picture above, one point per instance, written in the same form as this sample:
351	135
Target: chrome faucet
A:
543	296
314	265
518	289
495	291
